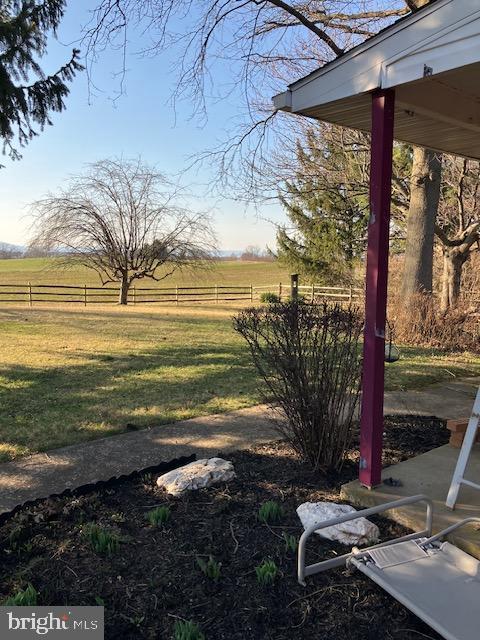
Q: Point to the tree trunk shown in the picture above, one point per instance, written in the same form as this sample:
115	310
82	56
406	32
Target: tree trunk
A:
124	287
453	261
422	213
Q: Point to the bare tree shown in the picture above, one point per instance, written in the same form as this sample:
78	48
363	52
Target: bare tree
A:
458	225
253	253
123	220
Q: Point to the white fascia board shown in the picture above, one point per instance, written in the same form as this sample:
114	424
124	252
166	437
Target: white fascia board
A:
283	101
453	48
377	62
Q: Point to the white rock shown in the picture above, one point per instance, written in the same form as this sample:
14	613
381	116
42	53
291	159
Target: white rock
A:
196	475
354	532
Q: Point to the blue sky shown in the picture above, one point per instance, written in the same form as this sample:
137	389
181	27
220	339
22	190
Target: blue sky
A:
142	122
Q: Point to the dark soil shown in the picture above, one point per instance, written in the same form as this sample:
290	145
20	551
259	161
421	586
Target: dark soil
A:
154	578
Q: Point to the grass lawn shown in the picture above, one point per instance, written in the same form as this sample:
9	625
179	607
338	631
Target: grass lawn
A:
228	272
419	367
70	374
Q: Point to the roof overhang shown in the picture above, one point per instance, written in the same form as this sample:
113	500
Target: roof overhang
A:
432	60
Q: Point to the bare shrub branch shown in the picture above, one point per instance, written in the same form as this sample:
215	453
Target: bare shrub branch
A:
309	359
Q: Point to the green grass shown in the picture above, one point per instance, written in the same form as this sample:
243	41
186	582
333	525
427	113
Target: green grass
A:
69	374
419	367
233	272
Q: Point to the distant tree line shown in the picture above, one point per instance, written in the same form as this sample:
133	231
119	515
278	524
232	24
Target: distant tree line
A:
10	251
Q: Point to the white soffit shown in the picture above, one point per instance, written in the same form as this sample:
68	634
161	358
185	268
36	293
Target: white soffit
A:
431	58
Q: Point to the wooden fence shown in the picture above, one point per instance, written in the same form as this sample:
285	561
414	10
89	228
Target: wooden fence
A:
82	294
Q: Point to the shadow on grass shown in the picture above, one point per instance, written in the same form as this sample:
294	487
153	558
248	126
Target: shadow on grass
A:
49	408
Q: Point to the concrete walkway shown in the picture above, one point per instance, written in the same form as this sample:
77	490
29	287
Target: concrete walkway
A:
51	473
450	399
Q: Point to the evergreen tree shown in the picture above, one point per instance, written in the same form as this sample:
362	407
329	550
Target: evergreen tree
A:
27	95
327	205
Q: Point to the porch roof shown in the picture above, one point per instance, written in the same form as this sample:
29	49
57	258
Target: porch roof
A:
431	58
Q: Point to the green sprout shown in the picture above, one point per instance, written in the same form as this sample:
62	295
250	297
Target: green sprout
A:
210	569
266	572
158	516
291	542
23	598
270	511
101	540
187	630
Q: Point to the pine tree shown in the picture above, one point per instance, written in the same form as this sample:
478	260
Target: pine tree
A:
27	95
327	205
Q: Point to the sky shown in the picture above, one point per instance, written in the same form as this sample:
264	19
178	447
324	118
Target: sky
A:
142	122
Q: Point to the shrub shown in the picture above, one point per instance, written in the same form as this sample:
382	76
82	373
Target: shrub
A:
421	323
158	516
187	630
269	297
266	572
309	359
301	299
270	511
27	597
210	569
101	540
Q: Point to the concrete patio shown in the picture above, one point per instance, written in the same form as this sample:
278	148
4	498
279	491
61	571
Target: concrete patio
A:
430	474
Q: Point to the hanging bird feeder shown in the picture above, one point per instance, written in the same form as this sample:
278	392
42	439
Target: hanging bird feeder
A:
392	352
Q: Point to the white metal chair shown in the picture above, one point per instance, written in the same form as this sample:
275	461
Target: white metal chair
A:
435	580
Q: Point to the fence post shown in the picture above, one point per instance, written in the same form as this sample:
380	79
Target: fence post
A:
280	291
216	294
84	295
176	295
134	295
251	292
313	293
30	301
350	295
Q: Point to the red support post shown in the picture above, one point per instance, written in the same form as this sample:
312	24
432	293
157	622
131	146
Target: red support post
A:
371	426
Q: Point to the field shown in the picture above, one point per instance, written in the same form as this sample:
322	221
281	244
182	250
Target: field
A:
70	374
234	272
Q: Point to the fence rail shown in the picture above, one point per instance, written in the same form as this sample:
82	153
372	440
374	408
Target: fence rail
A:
82	294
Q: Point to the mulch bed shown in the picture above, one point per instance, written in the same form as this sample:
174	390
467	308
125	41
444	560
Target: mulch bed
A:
154	579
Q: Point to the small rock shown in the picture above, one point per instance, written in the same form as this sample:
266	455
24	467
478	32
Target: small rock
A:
393	482
196	475
355	532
